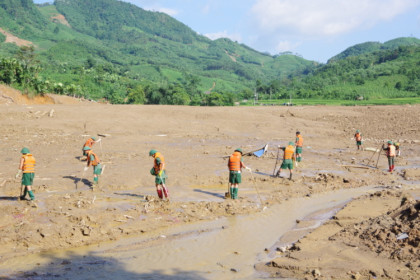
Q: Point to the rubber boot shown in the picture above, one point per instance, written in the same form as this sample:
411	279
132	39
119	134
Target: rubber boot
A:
31	195
24	194
95	180
159	192
390	168
165	192
235	193
393	166
290	177
299	159
231	193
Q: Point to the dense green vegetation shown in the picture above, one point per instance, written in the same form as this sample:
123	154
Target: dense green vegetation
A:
386	73
112	50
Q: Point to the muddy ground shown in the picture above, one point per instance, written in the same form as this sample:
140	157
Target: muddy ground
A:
69	212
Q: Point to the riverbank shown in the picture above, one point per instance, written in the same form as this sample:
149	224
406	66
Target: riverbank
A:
376	236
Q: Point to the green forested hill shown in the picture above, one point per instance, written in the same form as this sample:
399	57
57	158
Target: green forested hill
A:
384	73
118	51
369	47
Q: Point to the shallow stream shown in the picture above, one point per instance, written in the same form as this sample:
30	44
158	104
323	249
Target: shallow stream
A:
226	248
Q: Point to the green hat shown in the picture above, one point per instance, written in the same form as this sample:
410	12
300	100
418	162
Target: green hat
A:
86	148
25	151
390	142
93	138
239	150
152	152
357	131
397	144
291	143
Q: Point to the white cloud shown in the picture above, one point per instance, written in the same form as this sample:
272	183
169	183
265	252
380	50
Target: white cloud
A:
325	17
223	34
171	12
206	9
284	46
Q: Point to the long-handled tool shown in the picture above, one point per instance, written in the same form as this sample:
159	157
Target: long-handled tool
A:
377	150
377	161
256	188
227	194
277	160
22	187
100	145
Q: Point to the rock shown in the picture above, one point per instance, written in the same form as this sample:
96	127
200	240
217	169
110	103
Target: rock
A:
86	231
281	249
316	273
51	114
234	270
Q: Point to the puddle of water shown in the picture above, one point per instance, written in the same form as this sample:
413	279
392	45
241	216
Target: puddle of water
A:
207	250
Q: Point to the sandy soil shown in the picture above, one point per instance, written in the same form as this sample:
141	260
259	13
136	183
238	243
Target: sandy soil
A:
70	213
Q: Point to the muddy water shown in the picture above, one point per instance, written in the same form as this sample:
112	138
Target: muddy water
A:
226	248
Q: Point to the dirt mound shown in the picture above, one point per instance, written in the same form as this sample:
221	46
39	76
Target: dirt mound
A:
10	96
394	235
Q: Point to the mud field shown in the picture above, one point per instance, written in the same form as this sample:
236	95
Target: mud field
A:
72	215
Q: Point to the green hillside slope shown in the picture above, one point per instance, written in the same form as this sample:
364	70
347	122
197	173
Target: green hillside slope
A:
370	47
113	50
381	74
118	51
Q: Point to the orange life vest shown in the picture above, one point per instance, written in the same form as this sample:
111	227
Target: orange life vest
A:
162	163
234	163
89	143
299	141
358	137
28	163
95	160
391	151
288	152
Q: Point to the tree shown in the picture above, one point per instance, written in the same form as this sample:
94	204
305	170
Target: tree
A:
136	95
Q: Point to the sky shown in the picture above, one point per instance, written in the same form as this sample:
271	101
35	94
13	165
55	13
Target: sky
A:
314	29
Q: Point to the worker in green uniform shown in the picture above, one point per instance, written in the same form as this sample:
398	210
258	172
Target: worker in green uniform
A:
390	154
235	164
288	157
27	166
93	160
159	171
299	146
358	138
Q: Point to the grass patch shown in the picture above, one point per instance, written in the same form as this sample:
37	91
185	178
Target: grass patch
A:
337	102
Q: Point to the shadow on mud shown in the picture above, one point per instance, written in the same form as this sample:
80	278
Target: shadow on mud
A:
93	267
9	198
210	193
264	174
77	180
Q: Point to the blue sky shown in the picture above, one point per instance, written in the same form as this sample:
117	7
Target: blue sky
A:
314	29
